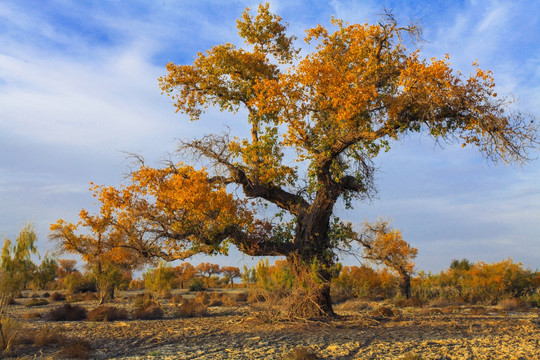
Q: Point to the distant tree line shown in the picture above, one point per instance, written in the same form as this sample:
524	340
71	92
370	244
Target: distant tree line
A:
463	281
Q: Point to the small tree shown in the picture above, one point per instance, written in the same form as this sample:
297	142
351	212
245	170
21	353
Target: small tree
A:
384	245
16	263
230	272
159	280
45	273
184	273
98	248
206	271
66	267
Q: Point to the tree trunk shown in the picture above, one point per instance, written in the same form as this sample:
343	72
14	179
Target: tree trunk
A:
405	286
312	283
312	262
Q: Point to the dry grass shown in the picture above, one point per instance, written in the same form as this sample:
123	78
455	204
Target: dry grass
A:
176	299
411	356
9	330
353	305
412	302
107	313
46	336
74	348
478	310
441	303
67	312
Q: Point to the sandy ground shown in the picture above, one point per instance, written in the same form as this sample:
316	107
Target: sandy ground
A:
359	332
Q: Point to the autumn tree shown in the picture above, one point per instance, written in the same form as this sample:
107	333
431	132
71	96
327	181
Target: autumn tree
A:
206	271
66	267
333	110
97	245
230	272
184	272
384	245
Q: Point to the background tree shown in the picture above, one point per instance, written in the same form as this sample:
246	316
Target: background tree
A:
184	273
384	245
230	272
45	273
206	271
160	279
66	267
98	248
333	110
16	263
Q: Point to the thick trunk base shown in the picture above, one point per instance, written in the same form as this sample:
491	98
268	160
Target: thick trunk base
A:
311	294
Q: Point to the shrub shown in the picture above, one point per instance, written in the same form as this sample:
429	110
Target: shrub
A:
152	312
36	302
191	308
73	348
176	299
216	299
382	311
56	296
229	300
203	298
241	297
197	284
47	335
144	300
67	312
300	353
511	304
12	301
533	300
478	310
167	295
107	313
88	296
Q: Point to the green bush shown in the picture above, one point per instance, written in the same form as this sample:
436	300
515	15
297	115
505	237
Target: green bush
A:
197	284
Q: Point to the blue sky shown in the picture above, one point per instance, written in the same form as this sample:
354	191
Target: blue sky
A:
78	87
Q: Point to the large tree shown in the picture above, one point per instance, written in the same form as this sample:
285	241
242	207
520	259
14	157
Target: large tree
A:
316	122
